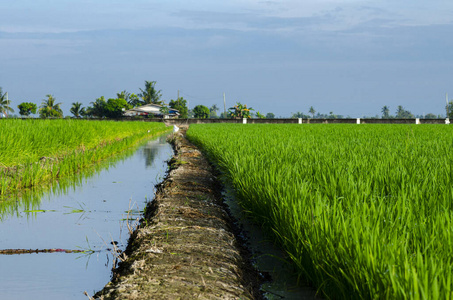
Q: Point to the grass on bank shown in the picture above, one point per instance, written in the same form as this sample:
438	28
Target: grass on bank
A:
363	211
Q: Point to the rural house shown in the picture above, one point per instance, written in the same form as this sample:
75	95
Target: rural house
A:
153	110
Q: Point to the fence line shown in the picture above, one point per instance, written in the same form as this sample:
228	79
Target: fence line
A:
273	121
298	121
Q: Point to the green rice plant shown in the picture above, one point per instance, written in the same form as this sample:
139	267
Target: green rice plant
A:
30	199
36	152
363	211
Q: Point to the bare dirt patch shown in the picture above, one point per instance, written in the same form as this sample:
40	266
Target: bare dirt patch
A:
185	247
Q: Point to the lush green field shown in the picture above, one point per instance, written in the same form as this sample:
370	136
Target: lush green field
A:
33	152
364	211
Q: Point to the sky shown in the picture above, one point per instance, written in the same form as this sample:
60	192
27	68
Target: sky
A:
348	57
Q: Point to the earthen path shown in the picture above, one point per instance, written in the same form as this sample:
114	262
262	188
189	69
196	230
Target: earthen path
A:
185	247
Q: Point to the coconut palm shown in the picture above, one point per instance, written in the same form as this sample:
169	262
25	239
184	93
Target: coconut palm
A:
385	112
98	107
50	109
77	109
312	111
5	103
123	95
401	113
150	94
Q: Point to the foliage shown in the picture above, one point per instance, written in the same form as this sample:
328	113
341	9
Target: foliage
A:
312	111
50	109
299	115
97	109
180	105
331	115
260	116
5	103
240	111
270	115
150	94
77	110
164	110
430	116
86	112
201	112
364	212
213	112
123	95
385	112
134	100
114	108
401	113
27	108
38	151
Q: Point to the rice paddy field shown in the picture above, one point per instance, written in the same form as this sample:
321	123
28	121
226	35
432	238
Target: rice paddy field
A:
34	152
363	211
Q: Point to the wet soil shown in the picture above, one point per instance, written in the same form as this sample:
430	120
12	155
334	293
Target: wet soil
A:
185	246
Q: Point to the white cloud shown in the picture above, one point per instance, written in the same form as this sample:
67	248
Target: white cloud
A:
71	15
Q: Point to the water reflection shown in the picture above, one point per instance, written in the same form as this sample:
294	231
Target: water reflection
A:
30	200
88	212
150	150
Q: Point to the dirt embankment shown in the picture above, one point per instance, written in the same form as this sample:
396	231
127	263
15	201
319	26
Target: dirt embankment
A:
185	247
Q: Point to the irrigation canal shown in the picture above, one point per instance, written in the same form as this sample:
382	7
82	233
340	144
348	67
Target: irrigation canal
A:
89	215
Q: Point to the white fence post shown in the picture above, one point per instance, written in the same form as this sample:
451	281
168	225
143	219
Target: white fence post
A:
244	120
300	120
417	121
358	120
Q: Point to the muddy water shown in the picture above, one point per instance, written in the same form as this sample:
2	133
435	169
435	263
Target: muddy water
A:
91	215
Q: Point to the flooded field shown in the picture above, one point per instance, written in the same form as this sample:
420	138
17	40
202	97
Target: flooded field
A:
92	214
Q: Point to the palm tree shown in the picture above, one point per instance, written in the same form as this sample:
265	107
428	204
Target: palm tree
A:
5	103
298	115
123	95
50	109
385	112
98	108
213	111
77	109
401	113
150	94
312	111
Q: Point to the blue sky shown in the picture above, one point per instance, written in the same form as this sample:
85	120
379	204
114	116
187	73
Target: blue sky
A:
345	56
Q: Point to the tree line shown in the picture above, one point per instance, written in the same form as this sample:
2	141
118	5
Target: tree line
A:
100	108
400	113
115	107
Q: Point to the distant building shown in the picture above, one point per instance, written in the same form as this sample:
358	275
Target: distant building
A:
153	110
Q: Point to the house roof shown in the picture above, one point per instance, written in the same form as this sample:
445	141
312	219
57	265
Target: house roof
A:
150	109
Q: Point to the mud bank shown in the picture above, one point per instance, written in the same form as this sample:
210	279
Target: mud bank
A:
185	247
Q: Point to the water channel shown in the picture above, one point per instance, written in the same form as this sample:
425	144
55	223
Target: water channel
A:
270	260
90	213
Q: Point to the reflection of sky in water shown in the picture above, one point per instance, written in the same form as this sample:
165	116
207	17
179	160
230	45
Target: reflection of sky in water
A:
88	216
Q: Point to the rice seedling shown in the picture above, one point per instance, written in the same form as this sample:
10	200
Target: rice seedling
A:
364	211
